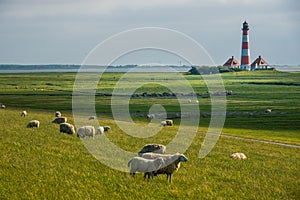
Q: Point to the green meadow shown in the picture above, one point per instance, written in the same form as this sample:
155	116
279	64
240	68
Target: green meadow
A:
42	163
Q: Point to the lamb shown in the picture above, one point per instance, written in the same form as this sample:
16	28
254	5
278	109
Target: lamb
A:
167	122
57	114
66	128
85	131
172	164
60	120
106	128
241	156
23	113
100	130
138	164
156	148
33	123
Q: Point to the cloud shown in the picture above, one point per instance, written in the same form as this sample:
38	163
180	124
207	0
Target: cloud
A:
57	8
40	8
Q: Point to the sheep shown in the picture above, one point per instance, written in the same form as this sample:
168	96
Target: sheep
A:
92	117
156	148
3	106
167	122
23	113
139	164
100	130
57	114
106	128
268	110
150	116
66	128
60	120
241	156
172	164
33	123
85	131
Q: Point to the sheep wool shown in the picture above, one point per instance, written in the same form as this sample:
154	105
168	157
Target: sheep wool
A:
138	164
86	131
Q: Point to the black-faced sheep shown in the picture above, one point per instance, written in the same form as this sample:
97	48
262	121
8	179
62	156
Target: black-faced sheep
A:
106	128
138	164
100	130
86	131
156	148
66	128
241	156
171	164
33	123
23	113
57	114
60	120
167	122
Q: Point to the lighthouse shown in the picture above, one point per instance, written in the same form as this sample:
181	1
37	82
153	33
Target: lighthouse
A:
245	56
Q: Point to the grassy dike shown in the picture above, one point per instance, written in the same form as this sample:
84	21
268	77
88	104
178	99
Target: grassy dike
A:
44	164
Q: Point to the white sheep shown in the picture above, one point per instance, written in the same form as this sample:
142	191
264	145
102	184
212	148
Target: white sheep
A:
167	122
171	164
57	114
100	130
156	148
150	116
23	113
138	164
66	128
33	123
3	106
268	110
85	131
60	120
241	156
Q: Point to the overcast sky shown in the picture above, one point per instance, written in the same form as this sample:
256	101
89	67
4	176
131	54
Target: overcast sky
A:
65	31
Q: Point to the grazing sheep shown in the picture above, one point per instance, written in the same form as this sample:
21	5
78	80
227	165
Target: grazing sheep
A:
57	114
66	128
33	123
150	116
156	148
268	111
100	130
171	164
85	131
106	128
167	122
138	164
23	113
60	120
241	156
92	117
3	106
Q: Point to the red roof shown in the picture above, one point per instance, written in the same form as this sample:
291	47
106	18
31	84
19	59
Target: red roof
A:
232	62
259	62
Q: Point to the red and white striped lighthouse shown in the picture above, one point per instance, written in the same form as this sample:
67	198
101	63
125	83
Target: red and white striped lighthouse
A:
245	57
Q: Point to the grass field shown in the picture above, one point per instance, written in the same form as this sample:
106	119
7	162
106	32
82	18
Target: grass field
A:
44	164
